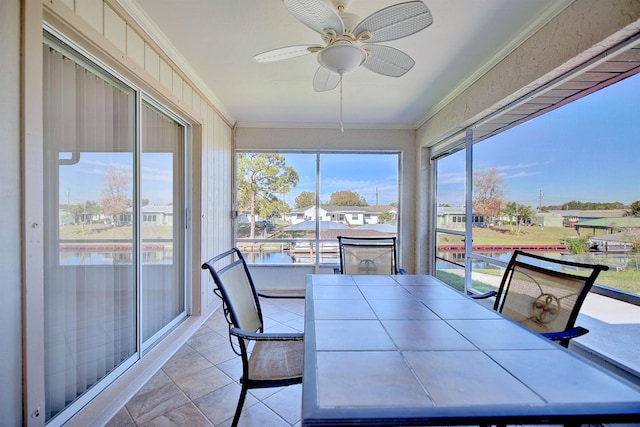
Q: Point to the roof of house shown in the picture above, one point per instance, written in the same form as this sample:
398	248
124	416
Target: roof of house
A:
450	210
627	236
592	213
628	221
332	208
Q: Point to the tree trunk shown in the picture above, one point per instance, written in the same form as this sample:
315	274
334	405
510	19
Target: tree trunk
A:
252	217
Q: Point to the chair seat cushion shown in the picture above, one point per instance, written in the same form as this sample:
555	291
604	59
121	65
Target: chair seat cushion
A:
274	360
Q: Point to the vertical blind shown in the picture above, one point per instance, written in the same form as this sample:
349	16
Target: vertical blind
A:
162	283
102	208
90	309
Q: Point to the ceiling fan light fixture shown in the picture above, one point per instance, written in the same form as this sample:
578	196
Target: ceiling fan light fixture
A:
342	57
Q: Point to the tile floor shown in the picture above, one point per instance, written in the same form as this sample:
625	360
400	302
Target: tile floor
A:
199	385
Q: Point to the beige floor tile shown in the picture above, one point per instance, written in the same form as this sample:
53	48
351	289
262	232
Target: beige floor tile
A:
207	339
202	382
260	415
189	363
186	415
199	385
220	405
219	354
287	403
121	419
157	397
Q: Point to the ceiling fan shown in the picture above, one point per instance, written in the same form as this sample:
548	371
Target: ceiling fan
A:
350	42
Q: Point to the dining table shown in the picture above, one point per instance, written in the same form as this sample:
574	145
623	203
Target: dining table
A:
411	350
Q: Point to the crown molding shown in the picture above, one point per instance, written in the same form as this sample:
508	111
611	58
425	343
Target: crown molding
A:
336	126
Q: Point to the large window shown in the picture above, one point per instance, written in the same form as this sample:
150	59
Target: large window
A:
292	206
451	222
114	206
564	184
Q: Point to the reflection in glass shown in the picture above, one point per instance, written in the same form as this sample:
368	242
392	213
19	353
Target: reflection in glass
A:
89	306
162	286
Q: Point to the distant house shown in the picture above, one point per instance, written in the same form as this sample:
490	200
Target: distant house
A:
386	209
348	215
618	242
608	225
549	219
454	217
151	215
573	216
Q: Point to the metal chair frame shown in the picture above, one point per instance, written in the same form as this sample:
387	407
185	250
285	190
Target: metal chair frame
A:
247	327
546	305
367	265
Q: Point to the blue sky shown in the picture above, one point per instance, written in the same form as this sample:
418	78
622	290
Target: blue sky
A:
85	180
373	176
588	151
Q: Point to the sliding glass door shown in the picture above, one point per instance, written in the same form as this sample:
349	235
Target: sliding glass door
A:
162	222
114	208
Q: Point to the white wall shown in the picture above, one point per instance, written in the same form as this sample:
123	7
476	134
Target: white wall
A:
10	222
403	141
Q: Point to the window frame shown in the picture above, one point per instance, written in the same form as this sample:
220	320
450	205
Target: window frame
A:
316	264
35	381
453	145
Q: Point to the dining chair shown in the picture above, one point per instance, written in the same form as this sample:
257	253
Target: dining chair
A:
268	359
368	255
545	294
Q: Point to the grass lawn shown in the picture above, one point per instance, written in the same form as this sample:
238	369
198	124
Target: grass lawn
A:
107	232
627	280
503	236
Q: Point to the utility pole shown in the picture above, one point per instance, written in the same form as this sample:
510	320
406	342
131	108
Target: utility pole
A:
540	203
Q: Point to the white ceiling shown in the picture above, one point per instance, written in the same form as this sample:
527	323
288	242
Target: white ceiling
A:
216	40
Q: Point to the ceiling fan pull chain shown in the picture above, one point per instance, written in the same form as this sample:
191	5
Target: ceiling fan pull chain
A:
341	125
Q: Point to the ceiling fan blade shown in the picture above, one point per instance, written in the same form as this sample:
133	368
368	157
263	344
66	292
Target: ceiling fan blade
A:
387	61
325	80
397	21
316	15
286	52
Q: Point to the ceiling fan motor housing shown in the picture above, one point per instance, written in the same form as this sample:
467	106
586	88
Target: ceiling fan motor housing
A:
342	57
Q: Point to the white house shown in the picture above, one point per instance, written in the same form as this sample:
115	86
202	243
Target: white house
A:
348	215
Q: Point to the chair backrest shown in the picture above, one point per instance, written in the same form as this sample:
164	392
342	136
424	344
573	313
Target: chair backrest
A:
368	255
235	286
544	294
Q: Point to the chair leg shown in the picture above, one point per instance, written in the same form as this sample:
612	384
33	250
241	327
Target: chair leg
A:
243	395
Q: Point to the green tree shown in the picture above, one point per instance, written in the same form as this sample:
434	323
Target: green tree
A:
579	245
305	199
635	208
487	193
526	213
518	214
511	210
347	198
262	177
83	213
385	218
